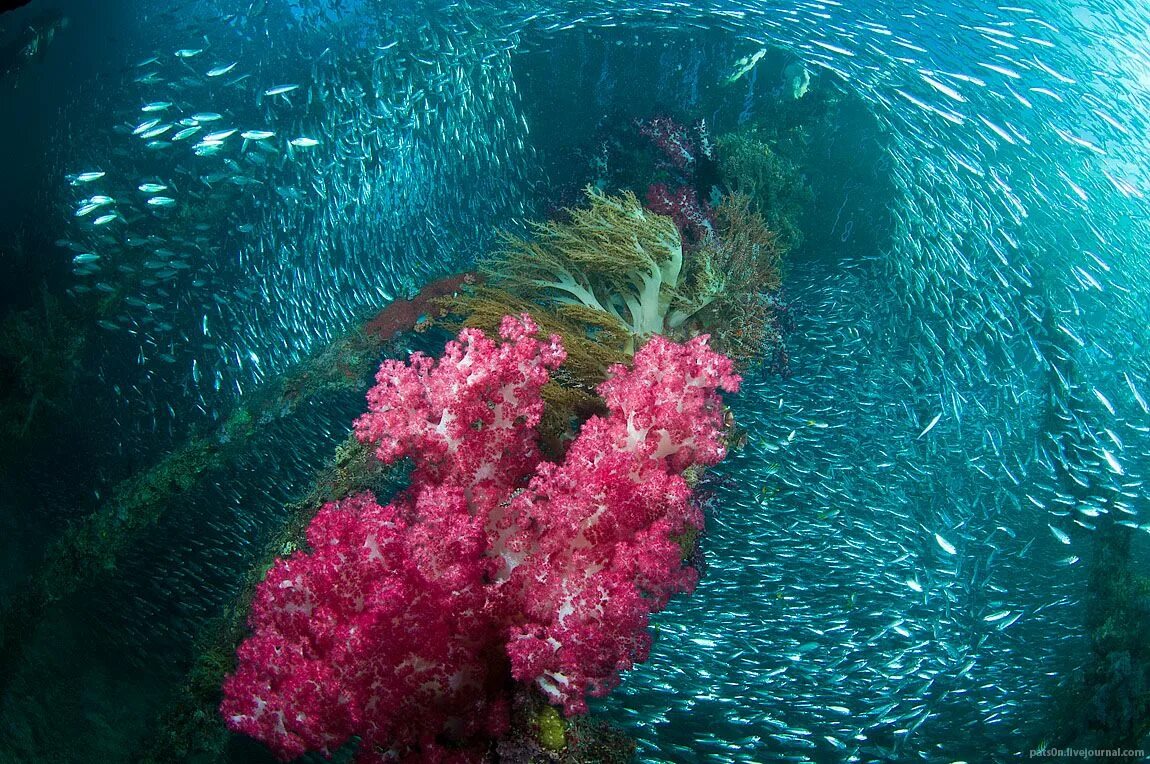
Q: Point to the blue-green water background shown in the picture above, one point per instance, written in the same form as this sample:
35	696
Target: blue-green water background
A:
979	227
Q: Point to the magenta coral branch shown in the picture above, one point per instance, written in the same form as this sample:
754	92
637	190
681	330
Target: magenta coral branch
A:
409	624
606	522
694	218
469	417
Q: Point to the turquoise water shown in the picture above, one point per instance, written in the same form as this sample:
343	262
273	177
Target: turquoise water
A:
929	548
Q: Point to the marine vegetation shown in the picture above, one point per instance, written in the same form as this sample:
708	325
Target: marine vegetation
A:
613	273
622	273
613	261
750	166
607	268
413	625
733	282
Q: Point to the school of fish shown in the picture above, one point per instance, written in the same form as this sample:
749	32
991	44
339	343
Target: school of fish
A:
896	560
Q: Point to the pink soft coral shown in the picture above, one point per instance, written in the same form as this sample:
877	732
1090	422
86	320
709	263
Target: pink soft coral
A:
407	623
604	525
468	418
377	632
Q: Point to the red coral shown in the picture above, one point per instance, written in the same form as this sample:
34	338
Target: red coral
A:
691	157
695	219
673	140
604	552
407	623
470	417
403	315
377	632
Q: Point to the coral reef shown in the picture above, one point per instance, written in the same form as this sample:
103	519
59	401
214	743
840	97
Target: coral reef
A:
674	140
739	187
190	727
406	624
693	218
603	550
540	735
93	545
691	186
734	279
593	341
613	257
750	166
621	273
552	734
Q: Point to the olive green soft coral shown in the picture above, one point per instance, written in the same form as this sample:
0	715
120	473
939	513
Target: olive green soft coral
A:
612	257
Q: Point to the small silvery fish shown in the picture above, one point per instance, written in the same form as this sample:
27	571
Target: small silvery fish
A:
1009	621
945	545
304	143
1112	463
219	135
87	177
187	132
930	426
221	70
147	124
280	90
155	131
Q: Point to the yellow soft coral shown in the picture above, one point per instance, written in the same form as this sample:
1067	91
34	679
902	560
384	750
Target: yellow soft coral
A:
612	257
551	733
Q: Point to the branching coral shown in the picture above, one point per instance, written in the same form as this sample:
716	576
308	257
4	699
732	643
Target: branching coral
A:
613	257
594	342
409	624
774	185
731	281
748	250
740	259
594	339
616	272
